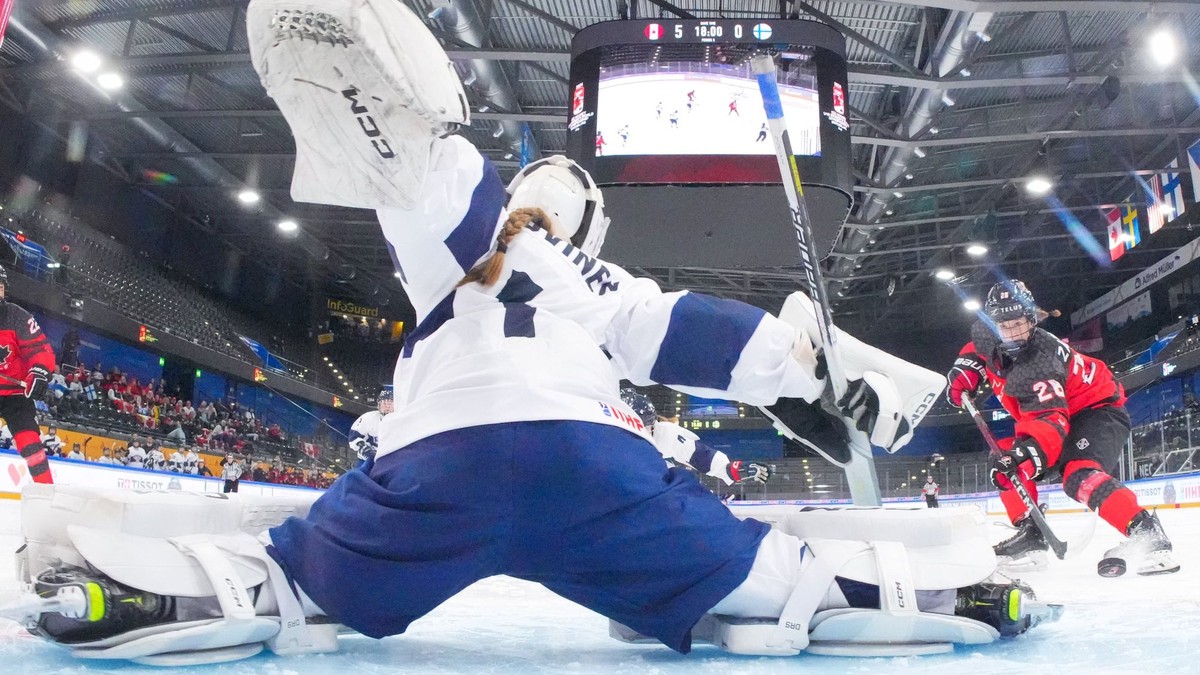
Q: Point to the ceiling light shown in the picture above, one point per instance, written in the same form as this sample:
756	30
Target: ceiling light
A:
908	176
897	194
1038	185
933	131
397	274
110	81
287	226
889	212
248	197
983	36
944	274
919	152
947	99
965	72
1164	47
971	305
86	61
977	250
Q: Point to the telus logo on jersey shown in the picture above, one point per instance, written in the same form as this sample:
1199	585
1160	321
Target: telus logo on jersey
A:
368	125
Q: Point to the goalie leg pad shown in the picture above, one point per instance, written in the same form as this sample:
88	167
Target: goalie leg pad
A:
47	511
365	88
906	391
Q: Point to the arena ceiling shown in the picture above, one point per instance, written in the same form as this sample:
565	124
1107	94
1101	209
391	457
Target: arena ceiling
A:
954	105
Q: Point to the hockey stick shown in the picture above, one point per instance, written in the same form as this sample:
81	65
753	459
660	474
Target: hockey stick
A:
864	484
1057	545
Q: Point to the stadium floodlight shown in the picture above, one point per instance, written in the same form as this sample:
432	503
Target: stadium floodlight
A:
1164	47
110	81
944	274
287	226
1038	185
248	197
977	250
86	61
972	305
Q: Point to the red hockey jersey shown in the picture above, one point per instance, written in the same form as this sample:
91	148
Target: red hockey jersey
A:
1044	385
22	345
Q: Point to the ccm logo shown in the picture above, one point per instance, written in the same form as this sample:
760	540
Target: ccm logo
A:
923	408
234	591
367	123
899	595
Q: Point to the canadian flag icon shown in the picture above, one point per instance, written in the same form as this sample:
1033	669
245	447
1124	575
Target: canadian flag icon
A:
654	31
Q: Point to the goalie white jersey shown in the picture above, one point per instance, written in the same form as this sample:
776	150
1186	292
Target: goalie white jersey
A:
466	362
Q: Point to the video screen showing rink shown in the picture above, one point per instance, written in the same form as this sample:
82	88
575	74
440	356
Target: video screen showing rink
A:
503	626
703	103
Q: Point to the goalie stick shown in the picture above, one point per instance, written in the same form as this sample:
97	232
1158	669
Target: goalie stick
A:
860	471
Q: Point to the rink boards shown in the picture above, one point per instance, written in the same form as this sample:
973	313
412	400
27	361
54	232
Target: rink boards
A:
1177	491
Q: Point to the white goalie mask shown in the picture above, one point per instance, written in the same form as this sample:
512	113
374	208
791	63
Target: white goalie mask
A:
567	193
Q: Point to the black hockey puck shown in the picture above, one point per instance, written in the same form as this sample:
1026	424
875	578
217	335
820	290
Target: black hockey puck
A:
1111	567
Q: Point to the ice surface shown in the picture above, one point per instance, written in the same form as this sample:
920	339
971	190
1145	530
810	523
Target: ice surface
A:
1127	625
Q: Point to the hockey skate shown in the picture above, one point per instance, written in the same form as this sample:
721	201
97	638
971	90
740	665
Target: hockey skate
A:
1024	551
1147	548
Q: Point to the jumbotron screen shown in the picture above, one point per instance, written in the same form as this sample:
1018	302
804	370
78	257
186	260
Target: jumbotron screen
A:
703	101
675	102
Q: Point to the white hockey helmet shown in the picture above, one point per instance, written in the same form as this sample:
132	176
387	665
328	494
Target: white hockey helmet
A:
567	193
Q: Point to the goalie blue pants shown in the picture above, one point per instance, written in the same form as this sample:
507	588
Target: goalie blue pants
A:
587	510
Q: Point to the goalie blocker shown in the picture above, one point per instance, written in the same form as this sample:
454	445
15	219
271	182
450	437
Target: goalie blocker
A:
114	579
886	395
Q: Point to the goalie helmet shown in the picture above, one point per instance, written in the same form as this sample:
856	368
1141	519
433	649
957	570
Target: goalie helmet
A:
567	193
642	407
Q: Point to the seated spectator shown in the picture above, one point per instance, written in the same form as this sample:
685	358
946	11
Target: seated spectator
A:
51	441
188	412
177	434
58	385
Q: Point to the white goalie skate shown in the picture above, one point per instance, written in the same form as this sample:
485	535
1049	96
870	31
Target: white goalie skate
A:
364	104
162	578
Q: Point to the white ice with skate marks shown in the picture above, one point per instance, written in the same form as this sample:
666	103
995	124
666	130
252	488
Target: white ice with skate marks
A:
1127	625
635	112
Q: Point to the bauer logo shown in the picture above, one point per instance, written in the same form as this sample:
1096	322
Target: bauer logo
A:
654	31
577	99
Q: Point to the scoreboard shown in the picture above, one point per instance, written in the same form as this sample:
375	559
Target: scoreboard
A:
659	107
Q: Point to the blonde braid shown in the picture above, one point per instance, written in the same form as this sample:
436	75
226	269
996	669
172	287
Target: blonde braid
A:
488	271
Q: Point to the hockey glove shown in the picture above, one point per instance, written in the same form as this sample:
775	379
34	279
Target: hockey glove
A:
740	471
35	382
966	377
1025	457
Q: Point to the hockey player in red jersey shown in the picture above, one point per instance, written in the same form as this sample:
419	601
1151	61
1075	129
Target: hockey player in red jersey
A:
1070	420
26	363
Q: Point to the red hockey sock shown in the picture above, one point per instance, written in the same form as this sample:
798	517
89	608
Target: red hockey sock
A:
29	444
1120	509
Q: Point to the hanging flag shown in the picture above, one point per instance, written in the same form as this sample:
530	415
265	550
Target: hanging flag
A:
1116	242
6	7
269	360
1129	225
1194	165
1166	198
310	449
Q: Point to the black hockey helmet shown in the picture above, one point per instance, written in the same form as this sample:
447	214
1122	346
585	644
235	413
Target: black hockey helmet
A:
385	396
642	407
1009	300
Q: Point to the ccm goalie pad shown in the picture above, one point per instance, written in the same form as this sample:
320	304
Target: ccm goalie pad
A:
906	392
868	582
160	578
365	87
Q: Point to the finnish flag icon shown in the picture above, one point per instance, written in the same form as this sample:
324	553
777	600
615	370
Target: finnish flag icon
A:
762	31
